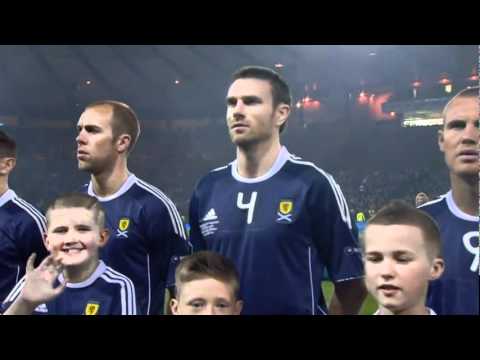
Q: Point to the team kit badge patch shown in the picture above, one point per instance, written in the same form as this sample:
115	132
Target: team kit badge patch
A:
285	210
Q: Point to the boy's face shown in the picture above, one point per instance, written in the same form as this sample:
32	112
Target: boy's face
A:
205	297
398	268
74	237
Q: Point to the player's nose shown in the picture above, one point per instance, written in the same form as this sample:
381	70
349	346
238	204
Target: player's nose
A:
471	133
387	269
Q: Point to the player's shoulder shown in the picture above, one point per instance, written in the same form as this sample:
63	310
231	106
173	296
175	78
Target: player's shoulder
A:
150	196
435	207
307	170
115	278
214	176
121	287
24	214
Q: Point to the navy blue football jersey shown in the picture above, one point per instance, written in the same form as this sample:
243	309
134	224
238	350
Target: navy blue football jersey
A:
105	292
282	230
147	239
457	291
22	228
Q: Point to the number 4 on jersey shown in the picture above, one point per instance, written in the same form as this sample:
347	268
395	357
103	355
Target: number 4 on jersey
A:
250	206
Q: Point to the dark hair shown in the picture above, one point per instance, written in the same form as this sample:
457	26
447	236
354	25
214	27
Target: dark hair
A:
8	146
204	265
471	91
79	200
124	120
280	89
398	212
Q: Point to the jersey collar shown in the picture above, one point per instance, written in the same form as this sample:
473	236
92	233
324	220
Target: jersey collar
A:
7	196
282	158
455	210
123	189
89	281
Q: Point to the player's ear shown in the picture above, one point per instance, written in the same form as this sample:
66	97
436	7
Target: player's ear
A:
104	235
123	143
11	162
174	306
438	266
440	140
282	111
7	165
46	243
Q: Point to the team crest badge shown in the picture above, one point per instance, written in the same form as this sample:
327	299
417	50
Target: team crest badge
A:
92	308
285	209
123	225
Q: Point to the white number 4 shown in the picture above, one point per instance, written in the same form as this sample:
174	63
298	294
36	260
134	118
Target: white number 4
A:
250	206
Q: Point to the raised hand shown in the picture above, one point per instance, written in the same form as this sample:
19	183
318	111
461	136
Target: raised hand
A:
39	283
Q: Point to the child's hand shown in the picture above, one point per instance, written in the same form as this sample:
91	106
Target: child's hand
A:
39	282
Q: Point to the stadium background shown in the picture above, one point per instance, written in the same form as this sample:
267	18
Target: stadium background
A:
354	107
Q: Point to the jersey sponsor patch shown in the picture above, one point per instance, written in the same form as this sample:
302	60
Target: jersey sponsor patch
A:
209	223
92	308
210	216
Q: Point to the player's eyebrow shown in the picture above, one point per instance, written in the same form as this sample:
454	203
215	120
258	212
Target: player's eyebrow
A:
83	227
248	99
60	228
456	122
89	128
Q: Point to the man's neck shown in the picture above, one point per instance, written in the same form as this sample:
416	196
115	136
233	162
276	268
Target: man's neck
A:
109	182
465	193
3	187
258	159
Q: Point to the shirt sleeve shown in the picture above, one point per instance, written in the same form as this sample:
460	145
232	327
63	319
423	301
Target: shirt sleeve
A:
167	243
29	238
333	233
196	238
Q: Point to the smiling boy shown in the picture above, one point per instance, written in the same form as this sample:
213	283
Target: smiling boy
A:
72	280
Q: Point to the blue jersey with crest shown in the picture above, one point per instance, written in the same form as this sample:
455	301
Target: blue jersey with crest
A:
147	238
21	233
105	292
282	230
456	292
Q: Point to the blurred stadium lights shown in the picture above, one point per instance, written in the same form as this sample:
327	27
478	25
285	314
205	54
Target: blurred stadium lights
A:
417	84
445	81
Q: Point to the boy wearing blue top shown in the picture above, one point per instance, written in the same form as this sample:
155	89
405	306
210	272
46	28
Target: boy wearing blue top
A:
72	280
402	254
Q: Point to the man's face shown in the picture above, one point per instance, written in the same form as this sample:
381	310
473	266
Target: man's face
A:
206	297
251	117
74	237
95	144
459	139
421	199
397	267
